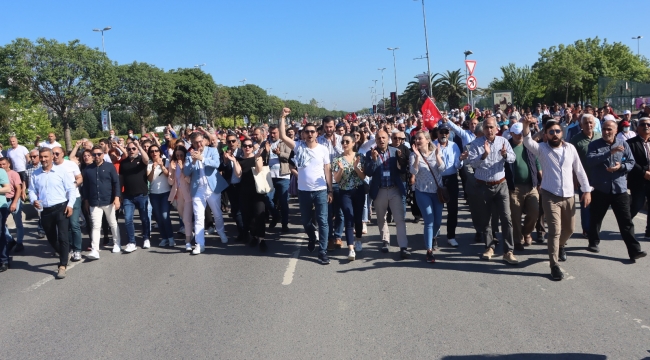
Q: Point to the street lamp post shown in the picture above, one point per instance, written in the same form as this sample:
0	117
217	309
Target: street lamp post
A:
637	38
243	82
467	53
395	68
426	42
102	31
383	93
199	66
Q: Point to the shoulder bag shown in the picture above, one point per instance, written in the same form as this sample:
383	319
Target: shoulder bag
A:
443	193
263	180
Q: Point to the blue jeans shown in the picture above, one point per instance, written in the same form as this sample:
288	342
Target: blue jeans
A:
314	199
18	219
4	213
335	215
281	187
130	203
161	208
431	209
352	203
584	213
74	229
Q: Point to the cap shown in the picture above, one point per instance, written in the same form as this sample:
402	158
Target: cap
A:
627	112
513	117
444	125
517	128
498	115
625	123
609	117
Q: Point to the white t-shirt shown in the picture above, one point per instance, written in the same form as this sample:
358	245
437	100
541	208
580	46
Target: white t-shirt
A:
18	158
159	185
72	169
311	166
48	145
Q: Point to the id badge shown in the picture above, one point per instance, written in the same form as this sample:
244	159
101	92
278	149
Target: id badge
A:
386	173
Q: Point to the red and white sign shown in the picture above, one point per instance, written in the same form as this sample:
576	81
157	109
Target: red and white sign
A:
471	65
472	84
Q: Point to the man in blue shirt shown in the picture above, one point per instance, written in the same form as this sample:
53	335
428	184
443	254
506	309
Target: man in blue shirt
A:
609	161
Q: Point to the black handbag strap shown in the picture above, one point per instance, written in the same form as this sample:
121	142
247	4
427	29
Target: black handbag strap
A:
431	170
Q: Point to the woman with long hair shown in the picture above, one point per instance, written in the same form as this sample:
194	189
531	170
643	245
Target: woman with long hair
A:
180	191
347	171
364	144
427	165
159	189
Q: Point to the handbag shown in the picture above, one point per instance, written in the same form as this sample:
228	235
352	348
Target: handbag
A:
443	193
263	180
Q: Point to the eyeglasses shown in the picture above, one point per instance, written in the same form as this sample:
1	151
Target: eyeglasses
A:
232	141
132	149
247	146
345	142
154	150
33	156
56	153
399	138
554	132
98	154
645	124
309	131
443	131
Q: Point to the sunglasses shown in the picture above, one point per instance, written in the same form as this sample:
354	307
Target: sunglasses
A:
132	149
33	156
645	124
554	132
445	131
345	142
247	146
232	141
154	150
399	138
98	154
56	153
309	131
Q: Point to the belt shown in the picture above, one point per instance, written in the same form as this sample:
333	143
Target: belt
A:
54	207
491	183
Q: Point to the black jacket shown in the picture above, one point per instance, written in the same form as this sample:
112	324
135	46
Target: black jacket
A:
532	166
635	179
101	184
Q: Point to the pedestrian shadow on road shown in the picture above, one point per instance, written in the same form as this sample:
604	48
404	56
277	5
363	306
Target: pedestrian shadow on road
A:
529	356
43	268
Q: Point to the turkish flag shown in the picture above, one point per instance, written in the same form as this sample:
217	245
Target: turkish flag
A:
430	114
347	117
354	116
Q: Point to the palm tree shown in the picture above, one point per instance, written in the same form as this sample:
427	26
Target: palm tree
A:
450	87
411	97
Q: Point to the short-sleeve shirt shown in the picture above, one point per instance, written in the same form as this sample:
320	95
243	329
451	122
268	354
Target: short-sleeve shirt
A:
159	184
14	180
311	166
18	157
4	179
350	180
72	170
48	145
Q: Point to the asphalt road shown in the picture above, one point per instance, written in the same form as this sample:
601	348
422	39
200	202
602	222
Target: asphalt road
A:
234	303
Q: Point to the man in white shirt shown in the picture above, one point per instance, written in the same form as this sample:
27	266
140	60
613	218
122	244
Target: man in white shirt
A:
19	156
74	228
50	143
559	161
314	183
332	142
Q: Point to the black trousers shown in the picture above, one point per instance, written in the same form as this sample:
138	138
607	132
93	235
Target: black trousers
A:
235	212
451	183
620	203
639	196
55	226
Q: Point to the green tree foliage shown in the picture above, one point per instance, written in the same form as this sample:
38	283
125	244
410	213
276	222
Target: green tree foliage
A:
58	75
26	120
449	87
523	82
192	98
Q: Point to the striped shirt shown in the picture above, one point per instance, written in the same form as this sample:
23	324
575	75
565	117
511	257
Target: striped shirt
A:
558	165
492	168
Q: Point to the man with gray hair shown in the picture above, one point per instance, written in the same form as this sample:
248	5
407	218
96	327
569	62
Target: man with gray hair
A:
581	142
638	180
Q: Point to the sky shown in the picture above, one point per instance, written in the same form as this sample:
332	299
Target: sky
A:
326	50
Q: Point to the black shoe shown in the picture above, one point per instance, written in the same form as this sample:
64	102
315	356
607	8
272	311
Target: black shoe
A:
416	219
285	229
40	235
311	245
519	246
11	245
562	254
556	273
106	241
430	258
324	259
19	248
540	238
254	241
273	223
263	247
593	248
404	254
384	247
4	267
639	255
647	235
477	238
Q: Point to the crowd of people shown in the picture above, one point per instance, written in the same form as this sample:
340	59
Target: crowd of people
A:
519	171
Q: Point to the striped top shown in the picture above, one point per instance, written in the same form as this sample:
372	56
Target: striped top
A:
492	168
558	165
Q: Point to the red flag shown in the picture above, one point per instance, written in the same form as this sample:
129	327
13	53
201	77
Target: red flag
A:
347	117
354	116
430	114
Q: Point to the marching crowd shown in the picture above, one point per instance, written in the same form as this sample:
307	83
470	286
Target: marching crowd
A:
520	172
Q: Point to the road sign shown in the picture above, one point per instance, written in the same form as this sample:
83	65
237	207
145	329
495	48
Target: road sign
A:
471	65
472	84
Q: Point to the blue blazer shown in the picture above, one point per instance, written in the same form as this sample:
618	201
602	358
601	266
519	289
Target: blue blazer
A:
374	169
211	160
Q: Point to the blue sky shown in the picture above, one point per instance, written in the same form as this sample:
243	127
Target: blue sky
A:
328	50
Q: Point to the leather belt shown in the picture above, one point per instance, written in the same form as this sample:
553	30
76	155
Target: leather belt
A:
491	183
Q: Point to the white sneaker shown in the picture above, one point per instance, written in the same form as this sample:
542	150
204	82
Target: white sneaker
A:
188	247
171	242
117	249
452	242
130	248
146	245
93	255
224	237
351	255
76	256
198	249
210	230
357	245
163	243
364	230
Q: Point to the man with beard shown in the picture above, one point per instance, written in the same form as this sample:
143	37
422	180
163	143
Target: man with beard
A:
638	180
610	160
332	141
559	161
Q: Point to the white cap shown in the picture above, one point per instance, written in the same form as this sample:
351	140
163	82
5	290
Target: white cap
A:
516	128
627	112
609	117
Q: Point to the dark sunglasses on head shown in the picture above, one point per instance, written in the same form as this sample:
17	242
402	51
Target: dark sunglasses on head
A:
247	146
98	154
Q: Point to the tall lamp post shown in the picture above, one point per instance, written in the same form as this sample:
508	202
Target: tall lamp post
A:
467	53
102	31
383	93
395	68
243	82
637	38
426	42
199	66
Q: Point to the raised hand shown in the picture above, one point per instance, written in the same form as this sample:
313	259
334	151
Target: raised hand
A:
357	160
464	155
374	154
285	112
172	165
340	164
486	147
616	149
504	151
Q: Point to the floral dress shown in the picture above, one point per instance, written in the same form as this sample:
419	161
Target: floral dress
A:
350	180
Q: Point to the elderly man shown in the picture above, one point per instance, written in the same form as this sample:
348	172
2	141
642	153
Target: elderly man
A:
488	156
72	169
638	180
581	142
610	161
19	156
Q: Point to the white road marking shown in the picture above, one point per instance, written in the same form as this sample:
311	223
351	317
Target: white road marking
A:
291	267
49	278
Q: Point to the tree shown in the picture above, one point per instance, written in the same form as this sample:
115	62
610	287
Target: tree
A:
522	81
193	96
59	75
249	100
26	121
449	87
410	99
142	88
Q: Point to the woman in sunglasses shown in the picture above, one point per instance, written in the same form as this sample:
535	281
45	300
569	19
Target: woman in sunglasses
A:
251	204
427	166
180	191
347	171
159	189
